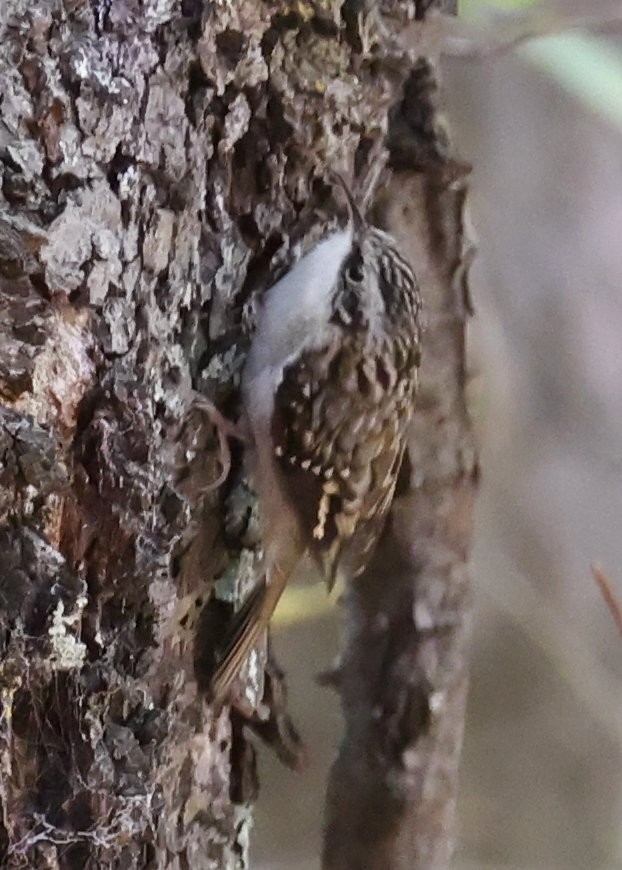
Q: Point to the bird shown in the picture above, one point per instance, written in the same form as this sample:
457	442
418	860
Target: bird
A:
328	391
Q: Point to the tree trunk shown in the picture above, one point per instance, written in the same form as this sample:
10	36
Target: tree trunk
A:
161	163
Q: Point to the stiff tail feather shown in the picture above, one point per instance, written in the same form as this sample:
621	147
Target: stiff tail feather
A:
248	623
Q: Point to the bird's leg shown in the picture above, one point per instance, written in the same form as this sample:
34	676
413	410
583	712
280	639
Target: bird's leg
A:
226	429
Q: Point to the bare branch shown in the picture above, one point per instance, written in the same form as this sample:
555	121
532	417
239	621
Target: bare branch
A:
611	599
392	790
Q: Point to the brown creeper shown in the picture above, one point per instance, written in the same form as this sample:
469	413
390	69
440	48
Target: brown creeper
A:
328	391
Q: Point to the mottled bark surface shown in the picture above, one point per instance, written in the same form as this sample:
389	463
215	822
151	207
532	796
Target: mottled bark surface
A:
161	162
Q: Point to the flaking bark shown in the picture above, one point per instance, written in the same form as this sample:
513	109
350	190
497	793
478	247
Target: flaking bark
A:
161	163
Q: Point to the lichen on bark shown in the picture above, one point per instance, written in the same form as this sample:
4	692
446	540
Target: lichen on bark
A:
161	163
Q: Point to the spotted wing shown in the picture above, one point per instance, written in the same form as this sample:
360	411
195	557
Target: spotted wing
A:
338	434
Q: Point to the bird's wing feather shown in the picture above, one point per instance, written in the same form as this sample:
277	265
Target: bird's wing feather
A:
338	433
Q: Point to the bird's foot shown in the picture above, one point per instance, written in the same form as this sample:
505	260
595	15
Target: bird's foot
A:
226	429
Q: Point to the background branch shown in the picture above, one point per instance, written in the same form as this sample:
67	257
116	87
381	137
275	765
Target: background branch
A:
496	31
392	789
611	599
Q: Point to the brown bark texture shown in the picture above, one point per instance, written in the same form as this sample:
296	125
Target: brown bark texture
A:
161	162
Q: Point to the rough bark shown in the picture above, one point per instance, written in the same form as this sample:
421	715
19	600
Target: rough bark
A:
161	163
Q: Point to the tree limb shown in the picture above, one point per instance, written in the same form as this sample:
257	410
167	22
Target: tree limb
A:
403	678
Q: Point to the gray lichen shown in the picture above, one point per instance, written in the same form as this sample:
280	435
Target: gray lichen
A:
160	163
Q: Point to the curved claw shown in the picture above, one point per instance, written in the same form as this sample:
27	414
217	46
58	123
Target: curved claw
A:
226	429
225	461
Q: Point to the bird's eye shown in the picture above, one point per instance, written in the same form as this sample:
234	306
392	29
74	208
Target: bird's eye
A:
354	270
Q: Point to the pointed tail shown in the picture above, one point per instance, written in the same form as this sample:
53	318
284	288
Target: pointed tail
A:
246	627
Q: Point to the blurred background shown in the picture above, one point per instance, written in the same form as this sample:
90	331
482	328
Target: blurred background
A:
541	783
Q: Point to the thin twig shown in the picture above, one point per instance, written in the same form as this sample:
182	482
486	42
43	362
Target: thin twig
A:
611	599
